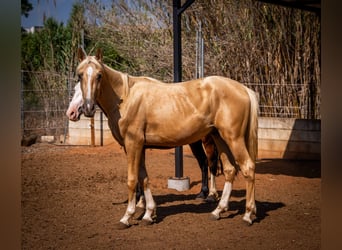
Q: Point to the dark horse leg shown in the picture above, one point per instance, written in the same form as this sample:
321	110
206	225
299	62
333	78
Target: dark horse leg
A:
198	152
212	160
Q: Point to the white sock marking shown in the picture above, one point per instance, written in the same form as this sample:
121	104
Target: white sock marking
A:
223	205
150	205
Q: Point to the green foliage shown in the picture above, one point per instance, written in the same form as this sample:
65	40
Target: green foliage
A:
26	7
54	48
47	49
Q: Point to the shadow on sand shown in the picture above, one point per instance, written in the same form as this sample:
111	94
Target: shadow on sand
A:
296	168
200	206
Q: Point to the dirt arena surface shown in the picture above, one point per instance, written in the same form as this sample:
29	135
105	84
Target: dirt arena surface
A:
73	196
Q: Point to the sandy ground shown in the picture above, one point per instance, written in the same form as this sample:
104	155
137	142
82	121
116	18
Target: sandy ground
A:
73	196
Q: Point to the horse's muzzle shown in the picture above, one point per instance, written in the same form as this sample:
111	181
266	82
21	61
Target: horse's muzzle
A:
74	114
89	108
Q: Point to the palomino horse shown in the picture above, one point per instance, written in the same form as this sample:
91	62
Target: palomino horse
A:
74	112
147	113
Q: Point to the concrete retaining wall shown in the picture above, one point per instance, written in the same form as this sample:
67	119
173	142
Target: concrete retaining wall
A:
80	131
289	138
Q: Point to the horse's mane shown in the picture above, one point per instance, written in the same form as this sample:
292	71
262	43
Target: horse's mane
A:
125	85
123	77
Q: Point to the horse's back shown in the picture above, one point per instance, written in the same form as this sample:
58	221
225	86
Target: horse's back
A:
202	97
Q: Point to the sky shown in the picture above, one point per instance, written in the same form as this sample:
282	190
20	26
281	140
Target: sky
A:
60	12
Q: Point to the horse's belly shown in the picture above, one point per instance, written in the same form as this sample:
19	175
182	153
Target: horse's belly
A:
176	132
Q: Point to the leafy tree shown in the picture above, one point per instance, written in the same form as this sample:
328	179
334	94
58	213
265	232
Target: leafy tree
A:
45	64
47	49
26	7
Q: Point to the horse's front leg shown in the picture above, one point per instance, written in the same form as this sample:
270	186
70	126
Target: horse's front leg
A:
150	213
140	207
134	152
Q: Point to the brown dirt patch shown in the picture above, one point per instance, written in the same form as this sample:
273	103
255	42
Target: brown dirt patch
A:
72	198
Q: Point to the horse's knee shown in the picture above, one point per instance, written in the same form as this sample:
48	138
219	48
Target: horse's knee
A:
229	170
248	170
229	173
131	184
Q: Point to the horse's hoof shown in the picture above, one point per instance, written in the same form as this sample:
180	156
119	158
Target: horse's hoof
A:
248	220
121	226
139	213
211	199
213	217
146	222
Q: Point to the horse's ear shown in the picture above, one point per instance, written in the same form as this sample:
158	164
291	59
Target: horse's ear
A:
99	55
81	54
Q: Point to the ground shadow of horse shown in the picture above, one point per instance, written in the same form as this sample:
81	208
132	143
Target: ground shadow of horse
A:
296	168
235	207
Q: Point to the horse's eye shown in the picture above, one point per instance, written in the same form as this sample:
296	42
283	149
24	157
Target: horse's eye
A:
80	77
98	77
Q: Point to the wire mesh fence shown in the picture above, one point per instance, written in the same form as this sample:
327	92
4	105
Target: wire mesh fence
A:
44	100
44	103
287	100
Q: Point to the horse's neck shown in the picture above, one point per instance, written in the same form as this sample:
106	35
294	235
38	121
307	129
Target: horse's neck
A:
118	81
109	101
110	108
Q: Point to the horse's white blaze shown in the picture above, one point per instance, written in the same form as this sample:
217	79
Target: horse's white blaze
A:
89	73
77	99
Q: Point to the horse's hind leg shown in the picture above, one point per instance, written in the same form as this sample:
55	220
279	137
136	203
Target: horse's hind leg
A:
229	171
247	167
198	152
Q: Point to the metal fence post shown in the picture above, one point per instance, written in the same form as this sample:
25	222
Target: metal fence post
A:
22	103
178	9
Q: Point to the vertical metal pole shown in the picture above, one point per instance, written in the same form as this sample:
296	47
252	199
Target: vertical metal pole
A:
22	103
179	182
101	128
177	74
177	67
66	127
201	52
92	131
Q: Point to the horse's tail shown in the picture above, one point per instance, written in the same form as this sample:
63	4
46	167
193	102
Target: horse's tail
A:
252	133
